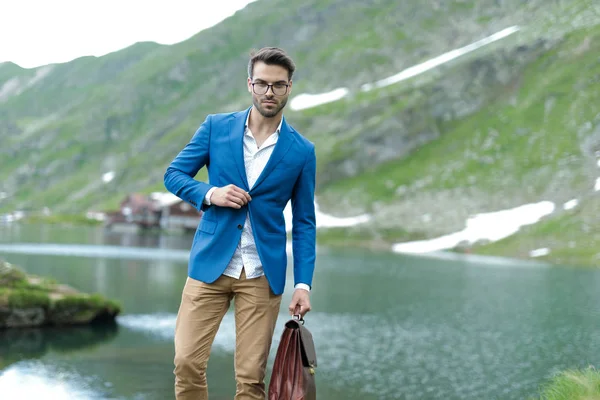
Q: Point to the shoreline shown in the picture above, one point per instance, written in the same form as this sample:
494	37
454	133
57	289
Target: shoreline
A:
368	238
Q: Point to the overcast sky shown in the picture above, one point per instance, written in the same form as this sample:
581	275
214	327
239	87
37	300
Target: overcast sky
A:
39	32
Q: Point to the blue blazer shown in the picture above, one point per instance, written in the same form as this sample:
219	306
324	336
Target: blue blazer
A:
288	175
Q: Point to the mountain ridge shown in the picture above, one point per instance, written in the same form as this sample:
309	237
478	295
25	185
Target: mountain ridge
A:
378	151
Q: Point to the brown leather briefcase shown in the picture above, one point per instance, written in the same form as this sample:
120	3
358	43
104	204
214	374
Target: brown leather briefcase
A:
293	376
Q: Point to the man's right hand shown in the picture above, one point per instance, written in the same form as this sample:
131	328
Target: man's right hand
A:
230	196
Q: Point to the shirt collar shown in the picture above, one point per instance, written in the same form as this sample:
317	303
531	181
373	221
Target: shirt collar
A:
248	118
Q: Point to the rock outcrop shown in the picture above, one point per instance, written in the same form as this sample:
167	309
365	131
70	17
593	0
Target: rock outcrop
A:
33	301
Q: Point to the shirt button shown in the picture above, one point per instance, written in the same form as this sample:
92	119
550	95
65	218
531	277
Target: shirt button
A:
240	226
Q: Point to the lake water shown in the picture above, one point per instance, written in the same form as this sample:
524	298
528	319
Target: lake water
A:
386	326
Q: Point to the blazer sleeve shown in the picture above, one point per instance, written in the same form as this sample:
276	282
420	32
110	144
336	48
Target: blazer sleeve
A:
179	176
304	222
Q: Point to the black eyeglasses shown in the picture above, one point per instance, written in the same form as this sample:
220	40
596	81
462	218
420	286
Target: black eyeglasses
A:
278	89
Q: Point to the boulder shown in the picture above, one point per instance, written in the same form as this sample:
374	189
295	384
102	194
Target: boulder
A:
31	301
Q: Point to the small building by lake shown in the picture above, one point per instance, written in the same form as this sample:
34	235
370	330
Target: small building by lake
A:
158	210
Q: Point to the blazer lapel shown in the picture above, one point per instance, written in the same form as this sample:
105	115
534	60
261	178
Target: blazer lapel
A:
284	142
236	140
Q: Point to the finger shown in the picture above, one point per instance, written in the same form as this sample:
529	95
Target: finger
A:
233	205
239	197
242	195
304	308
235	199
236	188
242	192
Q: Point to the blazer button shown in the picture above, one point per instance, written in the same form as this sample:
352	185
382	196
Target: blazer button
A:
240	226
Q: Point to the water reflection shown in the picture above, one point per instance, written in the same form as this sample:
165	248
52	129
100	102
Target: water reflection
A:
33	343
33	380
47	234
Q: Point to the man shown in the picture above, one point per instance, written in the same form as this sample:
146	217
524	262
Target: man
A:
256	164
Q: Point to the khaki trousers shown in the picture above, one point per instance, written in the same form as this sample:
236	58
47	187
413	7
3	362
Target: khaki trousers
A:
200	314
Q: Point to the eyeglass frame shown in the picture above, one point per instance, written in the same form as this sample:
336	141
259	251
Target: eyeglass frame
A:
270	86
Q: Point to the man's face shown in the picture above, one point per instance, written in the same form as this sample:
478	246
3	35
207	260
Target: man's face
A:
269	104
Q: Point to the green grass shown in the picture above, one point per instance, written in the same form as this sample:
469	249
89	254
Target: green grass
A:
80	308
27	298
61	304
579	384
11	277
27	285
63	219
93	302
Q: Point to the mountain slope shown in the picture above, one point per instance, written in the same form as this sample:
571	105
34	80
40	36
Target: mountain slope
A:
508	123
538	140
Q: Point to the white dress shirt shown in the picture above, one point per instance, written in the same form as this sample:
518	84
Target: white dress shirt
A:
246	254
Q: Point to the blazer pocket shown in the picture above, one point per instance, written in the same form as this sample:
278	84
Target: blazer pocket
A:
207	226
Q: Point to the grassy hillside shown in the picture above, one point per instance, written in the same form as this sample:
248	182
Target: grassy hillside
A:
538	139
509	123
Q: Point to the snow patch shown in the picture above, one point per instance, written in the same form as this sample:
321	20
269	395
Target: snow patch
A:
439	60
571	204
304	101
597	186
15	86
12	217
10	87
40	74
544	251
325	220
491	226
107	177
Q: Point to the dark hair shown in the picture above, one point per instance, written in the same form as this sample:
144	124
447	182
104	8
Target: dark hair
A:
271	56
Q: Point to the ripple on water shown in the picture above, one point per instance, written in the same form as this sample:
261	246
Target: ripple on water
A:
351	349
416	359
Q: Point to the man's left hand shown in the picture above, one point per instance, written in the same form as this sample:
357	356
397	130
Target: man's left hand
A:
300	304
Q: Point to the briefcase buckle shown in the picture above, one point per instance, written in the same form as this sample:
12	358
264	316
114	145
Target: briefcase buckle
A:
298	318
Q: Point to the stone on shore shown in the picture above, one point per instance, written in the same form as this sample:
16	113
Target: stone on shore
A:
33	301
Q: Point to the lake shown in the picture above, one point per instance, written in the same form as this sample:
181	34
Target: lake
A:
386	326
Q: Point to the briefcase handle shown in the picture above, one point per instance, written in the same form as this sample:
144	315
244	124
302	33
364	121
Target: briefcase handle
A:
298	318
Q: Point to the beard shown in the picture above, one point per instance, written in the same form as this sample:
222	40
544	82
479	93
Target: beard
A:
270	112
